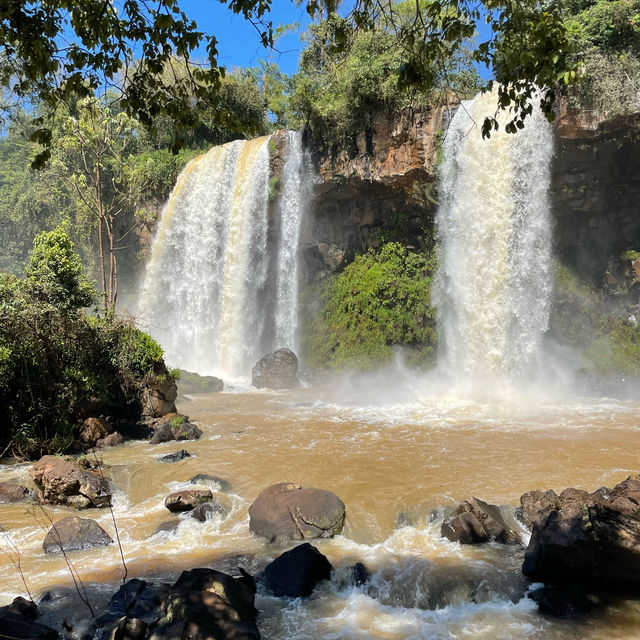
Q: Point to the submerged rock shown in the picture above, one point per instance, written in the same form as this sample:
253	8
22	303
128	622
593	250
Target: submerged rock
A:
476	521
74	534
61	481
285	511
175	457
217	484
276	370
591	539
296	573
187	499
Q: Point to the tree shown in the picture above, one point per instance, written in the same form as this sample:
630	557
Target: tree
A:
129	44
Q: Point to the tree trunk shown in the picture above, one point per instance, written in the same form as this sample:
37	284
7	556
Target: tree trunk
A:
100	232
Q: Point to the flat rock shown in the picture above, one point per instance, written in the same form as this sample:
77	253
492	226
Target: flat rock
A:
187	499
74	534
60	481
285	511
296	573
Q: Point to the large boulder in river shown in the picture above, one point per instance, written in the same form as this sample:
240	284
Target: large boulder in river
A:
187	499
295	573
476	521
61	481
276	370
285	511
73	534
174	426
591	539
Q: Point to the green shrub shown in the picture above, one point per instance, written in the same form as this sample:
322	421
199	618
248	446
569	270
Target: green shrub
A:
382	299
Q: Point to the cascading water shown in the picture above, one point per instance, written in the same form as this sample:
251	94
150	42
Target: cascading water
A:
494	281
221	286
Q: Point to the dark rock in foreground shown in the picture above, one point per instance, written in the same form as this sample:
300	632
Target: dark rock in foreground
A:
276	370
584	538
476	521
295	573
61	481
17	622
565	601
285	511
13	492
74	534
187	499
175	457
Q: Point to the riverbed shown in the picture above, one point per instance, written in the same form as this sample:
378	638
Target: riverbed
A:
397	454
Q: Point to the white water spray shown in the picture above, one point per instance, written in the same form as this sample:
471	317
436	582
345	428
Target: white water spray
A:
494	282
221	287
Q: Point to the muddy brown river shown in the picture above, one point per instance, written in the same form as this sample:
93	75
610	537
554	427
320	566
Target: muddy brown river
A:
397	452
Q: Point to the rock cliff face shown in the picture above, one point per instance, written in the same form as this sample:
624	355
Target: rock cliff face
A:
385	188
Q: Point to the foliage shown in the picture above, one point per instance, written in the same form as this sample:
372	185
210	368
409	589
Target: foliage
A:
380	300
55	274
54	359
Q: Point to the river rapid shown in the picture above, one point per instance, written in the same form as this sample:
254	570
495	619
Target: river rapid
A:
396	463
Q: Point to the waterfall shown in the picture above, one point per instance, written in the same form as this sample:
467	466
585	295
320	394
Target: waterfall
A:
494	281
220	289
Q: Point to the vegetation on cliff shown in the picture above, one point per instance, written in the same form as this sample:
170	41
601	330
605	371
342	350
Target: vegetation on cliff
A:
380	301
56	362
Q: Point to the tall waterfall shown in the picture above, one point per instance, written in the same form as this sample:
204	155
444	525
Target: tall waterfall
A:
221	286
494	282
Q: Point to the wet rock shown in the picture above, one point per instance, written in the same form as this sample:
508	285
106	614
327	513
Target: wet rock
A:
360	574
175	457
137	601
565	601
167	527
187	499
174	426
13	492
217	484
74	534
475	521
295	573
159	395
216	508
112	440
285	511
591	539
60	481
17	622
22	607
94	429
161	433
185	431
189	383
276	370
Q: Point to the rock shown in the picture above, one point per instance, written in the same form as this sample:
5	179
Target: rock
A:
215	508
592	539
17	622
535	505
360	574
60	481
135	599
189	383
475	521
285	511
112	440
13	492
276	370
94	429
565	601
162	433
187	499
73	534
185	431
295	573
217	484
167	527
159	395
174	426
175	457
129	629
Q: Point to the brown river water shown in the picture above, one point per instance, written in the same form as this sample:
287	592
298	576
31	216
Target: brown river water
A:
396	462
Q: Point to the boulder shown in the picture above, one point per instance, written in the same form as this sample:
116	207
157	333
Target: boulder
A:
168	527
174	426
476	521
73	534
13	492
175	457
17	621
189	383
592	539
185	431
112	440
61	481
135	605
285	511
187	499
276	370
217	484
216	508
159	395
94	429
565	601
535	505
161	433
295	573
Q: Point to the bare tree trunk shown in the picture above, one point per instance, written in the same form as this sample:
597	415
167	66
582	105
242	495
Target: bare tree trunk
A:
113	266
100	233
